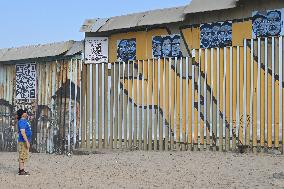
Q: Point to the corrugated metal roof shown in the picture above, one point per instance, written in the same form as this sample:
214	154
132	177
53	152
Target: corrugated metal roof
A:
160	16
196	6
163	16
77	47
93	25
3	51
40	51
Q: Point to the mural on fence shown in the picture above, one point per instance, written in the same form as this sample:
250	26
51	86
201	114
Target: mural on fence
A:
55	108
8	131
268	23
126	50
96	49
217	34
166	46
26	81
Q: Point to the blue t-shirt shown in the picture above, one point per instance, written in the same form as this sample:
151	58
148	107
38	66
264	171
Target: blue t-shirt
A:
24	124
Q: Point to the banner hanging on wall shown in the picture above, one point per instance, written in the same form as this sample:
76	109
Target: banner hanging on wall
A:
217	34
25	81
267	23
126	50
166	46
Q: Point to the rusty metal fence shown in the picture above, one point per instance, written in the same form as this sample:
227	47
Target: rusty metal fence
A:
219	99
54	113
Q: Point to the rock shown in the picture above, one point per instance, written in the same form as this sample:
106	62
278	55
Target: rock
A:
278	175
276	152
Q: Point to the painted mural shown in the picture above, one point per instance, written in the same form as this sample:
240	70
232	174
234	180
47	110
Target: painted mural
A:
268	23
26	81
126	50
166	46
217	34
96	49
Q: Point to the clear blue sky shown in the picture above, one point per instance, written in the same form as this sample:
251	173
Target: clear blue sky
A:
26	22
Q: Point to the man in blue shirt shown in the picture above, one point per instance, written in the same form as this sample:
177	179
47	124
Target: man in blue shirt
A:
24	139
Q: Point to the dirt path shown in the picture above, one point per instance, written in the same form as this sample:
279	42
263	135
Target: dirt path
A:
140	169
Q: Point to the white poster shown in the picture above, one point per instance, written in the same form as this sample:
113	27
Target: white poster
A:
25	81
96	50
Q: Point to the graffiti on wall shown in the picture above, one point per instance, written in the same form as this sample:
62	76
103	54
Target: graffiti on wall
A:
126	50
96	49
217	34
166	46
268	23
26	81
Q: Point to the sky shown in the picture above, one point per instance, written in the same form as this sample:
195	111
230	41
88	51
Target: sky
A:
30	22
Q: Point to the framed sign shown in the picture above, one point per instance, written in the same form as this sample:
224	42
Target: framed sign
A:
25	81
96	50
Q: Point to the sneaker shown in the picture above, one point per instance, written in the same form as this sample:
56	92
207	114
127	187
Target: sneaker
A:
22	172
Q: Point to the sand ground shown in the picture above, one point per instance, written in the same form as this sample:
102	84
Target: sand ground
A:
139	169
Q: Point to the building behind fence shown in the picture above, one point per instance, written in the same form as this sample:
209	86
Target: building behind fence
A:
206	75
45	79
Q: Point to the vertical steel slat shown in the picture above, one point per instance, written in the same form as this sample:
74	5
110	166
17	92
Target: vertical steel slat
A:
245	93
70	109
273	84
138	105
118	106
224	93
155	114
122	120
266	89
186	97
170	104
281	89
238	126
180	104
159	113
218	98
129	108
164	105
193	108
148	129
231	94
258	87
252	88
142	104
204	128
132	110
211	98
175	104
199	94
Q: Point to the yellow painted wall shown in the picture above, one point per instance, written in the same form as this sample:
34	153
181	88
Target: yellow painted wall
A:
243	135
241	31
143	43
192	37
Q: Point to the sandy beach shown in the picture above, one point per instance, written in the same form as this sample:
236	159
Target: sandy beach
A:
139	169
